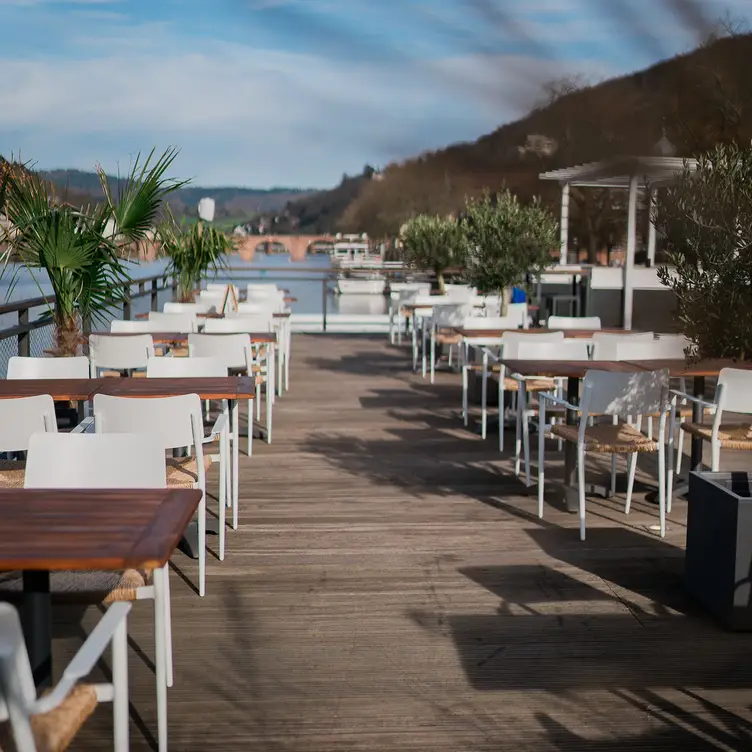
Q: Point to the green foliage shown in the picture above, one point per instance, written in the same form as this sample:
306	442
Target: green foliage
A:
193	251
706	222
506	240
435	243
79	249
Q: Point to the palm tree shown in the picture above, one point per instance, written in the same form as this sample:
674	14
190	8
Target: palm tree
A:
192	253
80	249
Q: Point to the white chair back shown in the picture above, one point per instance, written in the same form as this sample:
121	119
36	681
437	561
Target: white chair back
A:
140	326
655	350
221	287
197	368
255	308
518	311
567	349
627	395
460	293
173	421
397	289
734	390
262	286
198	307
490	322
21	418
48	368
246	323
183	323
119	353
623	336
510	341
80	460
233	350
451	315
573	322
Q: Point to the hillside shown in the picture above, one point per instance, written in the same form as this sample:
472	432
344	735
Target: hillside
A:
235	204
697	99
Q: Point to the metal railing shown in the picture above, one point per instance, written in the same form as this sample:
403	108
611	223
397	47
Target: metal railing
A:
31	332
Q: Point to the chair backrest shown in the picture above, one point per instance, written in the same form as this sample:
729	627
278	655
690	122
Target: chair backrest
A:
568	349
141	326
625	335
510	341
22	417
263	291
245	323
263	286
48	368
518	311
221	287
734	390
460	292
173	421
399	290
233	350
573	322
167	368
451	314
183	323
80	460
119	353
198	307
263	307
490	322
625	394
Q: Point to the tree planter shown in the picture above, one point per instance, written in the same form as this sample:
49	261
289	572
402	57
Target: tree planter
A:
718	562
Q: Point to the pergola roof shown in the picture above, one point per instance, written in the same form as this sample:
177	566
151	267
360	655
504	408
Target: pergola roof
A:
616	173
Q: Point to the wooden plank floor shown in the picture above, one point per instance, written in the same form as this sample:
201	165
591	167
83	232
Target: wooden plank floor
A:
390	588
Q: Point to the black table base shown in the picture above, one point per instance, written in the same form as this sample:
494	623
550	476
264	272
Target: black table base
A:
36	620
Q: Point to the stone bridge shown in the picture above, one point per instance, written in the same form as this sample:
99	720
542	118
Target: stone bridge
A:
296	245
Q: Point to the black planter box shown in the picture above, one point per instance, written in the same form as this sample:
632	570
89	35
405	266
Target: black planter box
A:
718	563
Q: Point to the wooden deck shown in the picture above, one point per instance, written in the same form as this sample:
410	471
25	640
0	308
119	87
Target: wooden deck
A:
391	588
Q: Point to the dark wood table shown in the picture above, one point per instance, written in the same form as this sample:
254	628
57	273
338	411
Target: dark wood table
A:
575	370
53	530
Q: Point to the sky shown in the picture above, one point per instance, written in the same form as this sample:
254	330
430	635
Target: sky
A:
264	93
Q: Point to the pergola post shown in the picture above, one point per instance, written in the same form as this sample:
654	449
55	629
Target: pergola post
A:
651	226
564	223
631	248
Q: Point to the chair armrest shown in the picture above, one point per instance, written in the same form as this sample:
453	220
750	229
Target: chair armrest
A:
84	426
219	425
557	401
696	400
86	658
494	358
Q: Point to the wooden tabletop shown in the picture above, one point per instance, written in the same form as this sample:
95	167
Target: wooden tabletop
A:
576	369
60	389
53	529
178	338
227	387
568	333
222	387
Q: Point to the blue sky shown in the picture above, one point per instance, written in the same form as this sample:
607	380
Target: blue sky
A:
296	92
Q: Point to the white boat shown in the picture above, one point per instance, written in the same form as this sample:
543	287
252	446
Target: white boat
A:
361	286
352	253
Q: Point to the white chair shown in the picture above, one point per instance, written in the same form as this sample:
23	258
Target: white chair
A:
400	296
182	323
246	323
140	326
519	312
119	460
57	715
262	307
234	351
733	393
445	317
48	368
573	322
197	368
198	307
534	349
20	419
176	422
119	353
221	287
491	362
625	398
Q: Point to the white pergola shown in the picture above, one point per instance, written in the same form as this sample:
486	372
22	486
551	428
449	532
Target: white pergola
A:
633	174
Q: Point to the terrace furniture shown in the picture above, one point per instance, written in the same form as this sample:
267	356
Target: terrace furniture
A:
176	422
175	322
573	322
446	316
124	353
113	461
48	723
48	368
195	308
625	397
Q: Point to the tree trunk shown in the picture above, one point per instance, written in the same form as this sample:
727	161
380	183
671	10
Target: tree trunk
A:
505	296
68	337
440	282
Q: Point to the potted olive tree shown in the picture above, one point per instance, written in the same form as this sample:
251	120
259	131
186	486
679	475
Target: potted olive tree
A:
705	219
193	252
80	250
433	243
506	240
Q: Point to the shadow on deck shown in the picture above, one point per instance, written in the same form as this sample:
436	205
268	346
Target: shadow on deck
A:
392	588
